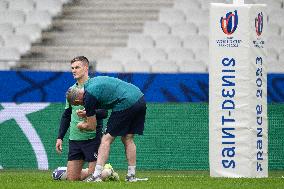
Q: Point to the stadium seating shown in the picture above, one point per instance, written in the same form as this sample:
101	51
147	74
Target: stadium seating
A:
171	16
42	18
108	65
137	67
205	4
186	5
20	42
168	42
202	55
14	17
192	67
156	29
125	54
184	30
22	23
132	32
164	66
140	41
195	42
8	57
54	7
32	31
153	55
23	5
6	29
180	55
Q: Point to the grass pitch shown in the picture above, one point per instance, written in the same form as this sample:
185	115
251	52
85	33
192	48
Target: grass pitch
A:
14	179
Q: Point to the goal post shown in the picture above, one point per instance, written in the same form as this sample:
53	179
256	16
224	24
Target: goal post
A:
238	137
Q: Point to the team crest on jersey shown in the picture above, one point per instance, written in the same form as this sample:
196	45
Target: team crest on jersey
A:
229	23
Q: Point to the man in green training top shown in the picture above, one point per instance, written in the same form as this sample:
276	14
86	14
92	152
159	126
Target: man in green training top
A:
83	145
127	118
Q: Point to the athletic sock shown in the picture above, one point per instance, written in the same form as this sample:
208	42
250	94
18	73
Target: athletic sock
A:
131	170
98	170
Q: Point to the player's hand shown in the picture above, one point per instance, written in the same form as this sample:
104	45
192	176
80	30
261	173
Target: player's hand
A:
81	126
81	113
58	146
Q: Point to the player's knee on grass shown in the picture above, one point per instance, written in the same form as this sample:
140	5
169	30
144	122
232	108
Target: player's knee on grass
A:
74	169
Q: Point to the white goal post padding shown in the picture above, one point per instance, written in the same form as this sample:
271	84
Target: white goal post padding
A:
238	137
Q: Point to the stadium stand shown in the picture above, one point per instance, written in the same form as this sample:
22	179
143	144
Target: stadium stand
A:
171	16
6	29
108	65
140	41
125	54
202	56
21	24
54	7
20	42
168	42
186	5
90	28
63	29
153	55
180	55
9	57
192	67
14	17
23	5
164	66
42	18
183	30
155	29
32	31
137	66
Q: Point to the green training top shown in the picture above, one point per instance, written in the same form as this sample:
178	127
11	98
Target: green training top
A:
112	93
75	133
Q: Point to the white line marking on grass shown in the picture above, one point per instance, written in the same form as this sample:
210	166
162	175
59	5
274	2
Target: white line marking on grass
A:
173	176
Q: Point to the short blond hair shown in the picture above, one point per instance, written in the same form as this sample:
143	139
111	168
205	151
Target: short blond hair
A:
81	59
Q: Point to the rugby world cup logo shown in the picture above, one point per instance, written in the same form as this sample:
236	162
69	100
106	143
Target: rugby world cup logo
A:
229	23
259	24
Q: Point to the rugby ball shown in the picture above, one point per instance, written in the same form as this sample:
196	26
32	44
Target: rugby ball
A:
60	173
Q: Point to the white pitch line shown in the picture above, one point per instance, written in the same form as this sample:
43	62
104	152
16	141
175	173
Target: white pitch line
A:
171	176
